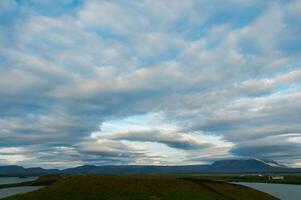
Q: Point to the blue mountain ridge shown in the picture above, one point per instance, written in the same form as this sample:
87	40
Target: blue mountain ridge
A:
220	166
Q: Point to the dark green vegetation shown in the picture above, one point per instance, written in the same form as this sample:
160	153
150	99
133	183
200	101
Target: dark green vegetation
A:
97	187
264	178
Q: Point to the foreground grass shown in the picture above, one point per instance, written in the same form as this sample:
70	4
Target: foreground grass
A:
97	187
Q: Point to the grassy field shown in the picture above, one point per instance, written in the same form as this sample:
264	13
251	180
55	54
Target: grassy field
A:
98	187
288	178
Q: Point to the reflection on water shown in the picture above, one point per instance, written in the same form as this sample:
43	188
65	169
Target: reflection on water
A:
9	180
281	191
6	192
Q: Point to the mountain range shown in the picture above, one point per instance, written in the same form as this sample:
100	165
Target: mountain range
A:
220	166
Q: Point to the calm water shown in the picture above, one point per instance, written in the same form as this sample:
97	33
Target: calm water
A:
6	192
281	191
9	180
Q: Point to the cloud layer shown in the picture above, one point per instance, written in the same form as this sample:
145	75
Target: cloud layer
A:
149	82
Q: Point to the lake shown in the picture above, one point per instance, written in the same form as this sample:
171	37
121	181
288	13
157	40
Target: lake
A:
10	180
281	191
6	192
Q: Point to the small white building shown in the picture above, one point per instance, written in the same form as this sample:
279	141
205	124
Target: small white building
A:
276	177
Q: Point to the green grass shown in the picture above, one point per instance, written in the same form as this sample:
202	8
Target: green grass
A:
288	178
99	187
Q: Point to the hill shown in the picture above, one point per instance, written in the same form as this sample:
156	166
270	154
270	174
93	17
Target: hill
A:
249	165
15	170
98	187
221	166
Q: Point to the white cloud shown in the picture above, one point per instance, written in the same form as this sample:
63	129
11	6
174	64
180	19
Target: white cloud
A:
218	79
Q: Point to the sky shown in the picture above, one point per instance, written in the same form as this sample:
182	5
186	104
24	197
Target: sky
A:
149	82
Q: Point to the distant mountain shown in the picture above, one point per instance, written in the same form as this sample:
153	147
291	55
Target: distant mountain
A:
272	163
248	165
15	170
12	169
220	166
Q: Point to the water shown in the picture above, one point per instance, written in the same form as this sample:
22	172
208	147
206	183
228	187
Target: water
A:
10	180
6	192
281	191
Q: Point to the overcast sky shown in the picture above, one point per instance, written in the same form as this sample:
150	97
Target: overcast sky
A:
149	81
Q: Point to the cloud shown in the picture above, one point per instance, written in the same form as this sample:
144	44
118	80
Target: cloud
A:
108	148
111	17
218	77
171	139
283	146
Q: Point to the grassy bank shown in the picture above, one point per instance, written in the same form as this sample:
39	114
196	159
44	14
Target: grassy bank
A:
98	187
264	178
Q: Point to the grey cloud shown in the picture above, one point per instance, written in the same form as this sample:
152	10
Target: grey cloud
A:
106	151
64	74
55	128
106	147
257	117
273	147
171	139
